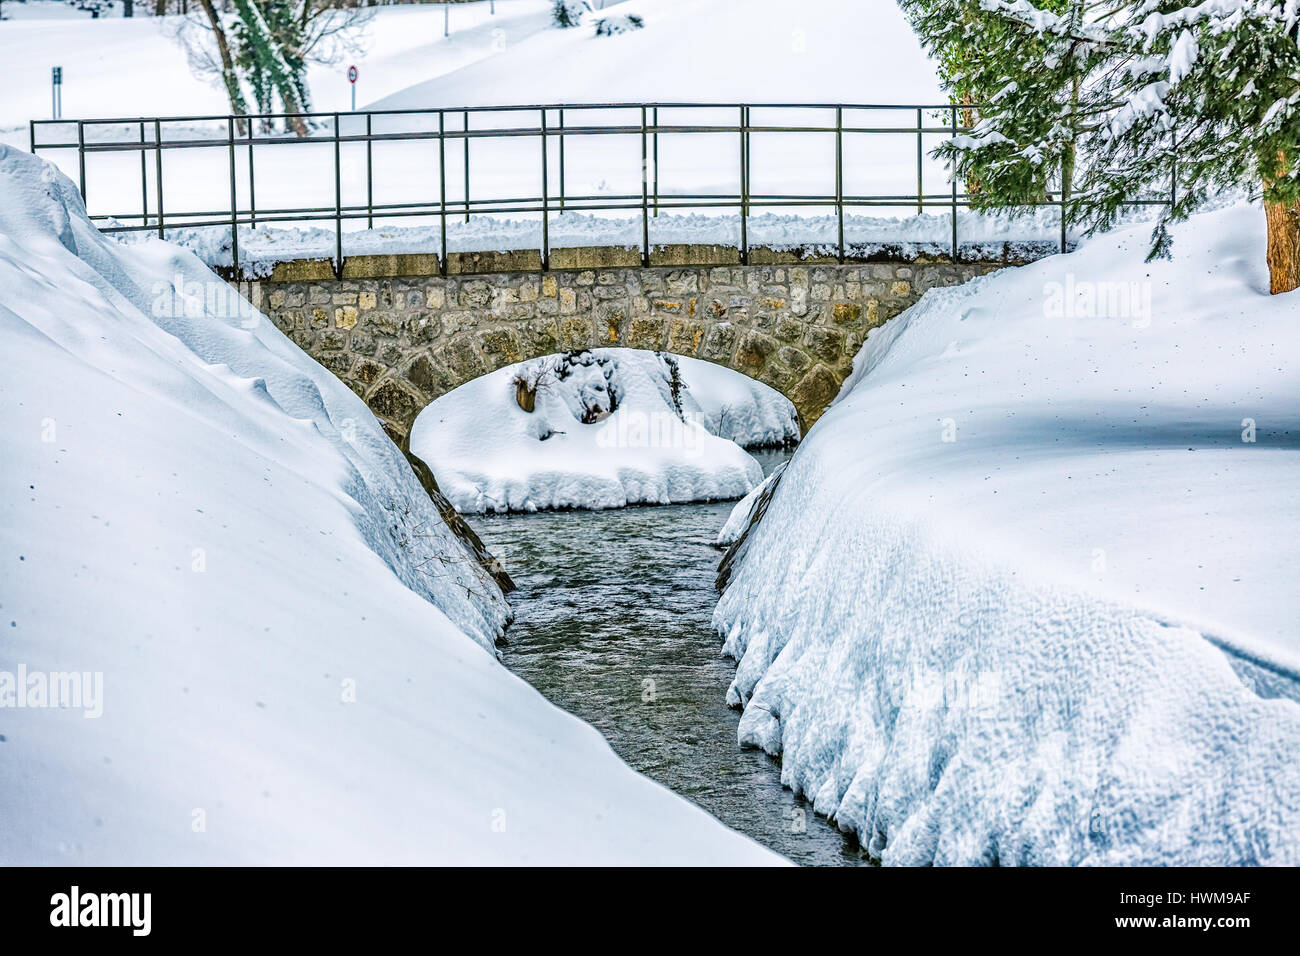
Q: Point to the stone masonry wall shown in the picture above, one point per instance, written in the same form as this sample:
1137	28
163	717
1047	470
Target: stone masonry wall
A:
402	341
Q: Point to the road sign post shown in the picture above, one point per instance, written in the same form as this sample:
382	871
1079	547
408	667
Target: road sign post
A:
56	92
352	81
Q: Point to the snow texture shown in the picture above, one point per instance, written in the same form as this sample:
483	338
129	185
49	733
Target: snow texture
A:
1026	593
292	650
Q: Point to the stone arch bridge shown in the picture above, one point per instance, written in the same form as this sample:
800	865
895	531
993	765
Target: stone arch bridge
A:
400	334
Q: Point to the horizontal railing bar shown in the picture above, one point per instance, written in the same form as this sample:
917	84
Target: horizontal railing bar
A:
222	142
431	209
532	107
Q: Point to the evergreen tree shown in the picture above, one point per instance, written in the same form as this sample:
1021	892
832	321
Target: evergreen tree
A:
1212	91
1129	100
1020	91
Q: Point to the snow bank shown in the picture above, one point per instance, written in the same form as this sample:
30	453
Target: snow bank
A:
605	431
1025	594
280	649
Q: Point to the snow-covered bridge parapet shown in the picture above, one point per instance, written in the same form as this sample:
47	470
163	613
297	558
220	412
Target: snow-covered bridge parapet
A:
400	334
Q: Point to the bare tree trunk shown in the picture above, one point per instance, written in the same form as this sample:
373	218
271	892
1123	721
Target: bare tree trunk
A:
159	8
1283	245
228	74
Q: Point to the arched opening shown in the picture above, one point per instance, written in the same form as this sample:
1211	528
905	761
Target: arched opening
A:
600	428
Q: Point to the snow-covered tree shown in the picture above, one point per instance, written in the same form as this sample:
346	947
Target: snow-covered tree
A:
568	13
264	47
1019	87
1125	100
269	41
1214	88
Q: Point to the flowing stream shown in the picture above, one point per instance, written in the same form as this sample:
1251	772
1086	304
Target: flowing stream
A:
613	623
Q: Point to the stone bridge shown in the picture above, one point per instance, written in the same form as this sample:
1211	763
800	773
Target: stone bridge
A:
401	335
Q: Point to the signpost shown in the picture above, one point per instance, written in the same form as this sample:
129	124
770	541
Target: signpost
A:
352	80
56	91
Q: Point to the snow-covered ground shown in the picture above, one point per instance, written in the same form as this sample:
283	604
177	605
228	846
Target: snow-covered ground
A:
1027	592
605	431
278	650
700	51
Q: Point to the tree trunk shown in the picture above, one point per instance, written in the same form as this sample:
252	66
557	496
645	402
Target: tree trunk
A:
1283	245
228	75
160	8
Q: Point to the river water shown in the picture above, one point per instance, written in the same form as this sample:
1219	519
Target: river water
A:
612	623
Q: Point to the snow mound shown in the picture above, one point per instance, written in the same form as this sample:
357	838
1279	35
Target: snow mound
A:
1025	594
279	647
608	428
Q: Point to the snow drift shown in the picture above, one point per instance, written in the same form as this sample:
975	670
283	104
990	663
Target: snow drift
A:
289	652
1026	593
608	428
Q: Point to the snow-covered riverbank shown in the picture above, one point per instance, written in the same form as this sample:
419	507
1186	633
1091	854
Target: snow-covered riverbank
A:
1026	593
279	652
608	428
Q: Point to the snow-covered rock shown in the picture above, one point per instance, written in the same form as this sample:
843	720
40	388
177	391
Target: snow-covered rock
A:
282	655
742	515
607	428
1026	593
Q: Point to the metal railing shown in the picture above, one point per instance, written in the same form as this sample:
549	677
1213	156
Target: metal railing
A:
552	126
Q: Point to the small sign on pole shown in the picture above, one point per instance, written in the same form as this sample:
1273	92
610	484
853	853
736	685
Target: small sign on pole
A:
56	91
352	79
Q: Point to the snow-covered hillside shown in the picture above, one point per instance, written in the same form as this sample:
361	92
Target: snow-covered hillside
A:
281	652
1026	593
705	51
605	430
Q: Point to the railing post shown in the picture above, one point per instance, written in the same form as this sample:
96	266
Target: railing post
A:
370	178
442	188
157	173
839	175
338	202
561	159
546	204
81	158
466	124
234	197
31	136
954	189
1063	221
656	160
744	186
920	158
252	178
144	180
645	195
1173	169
